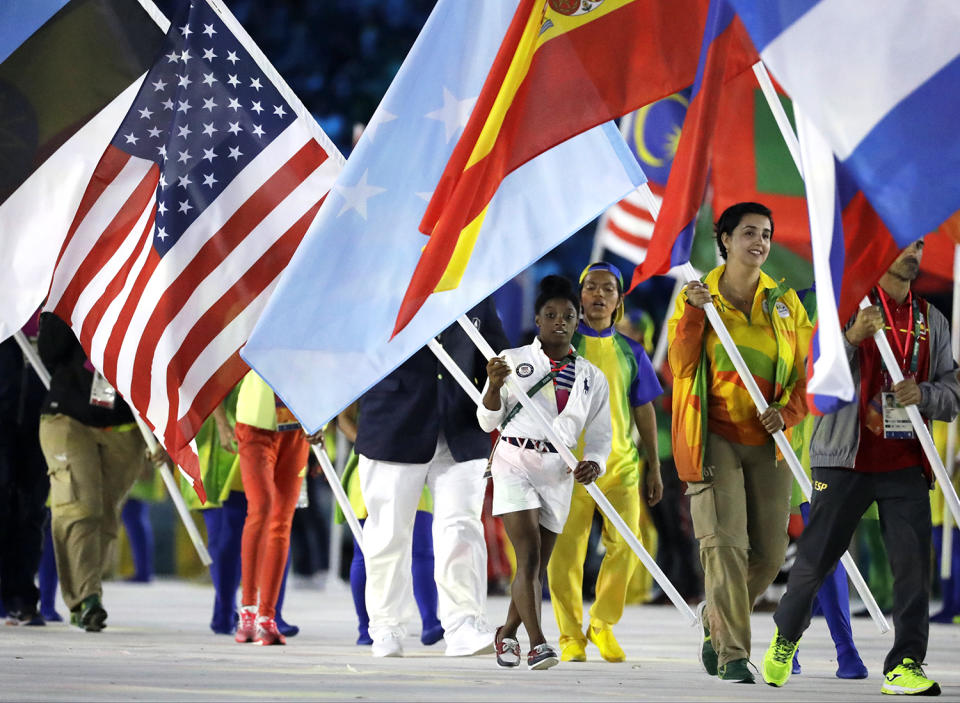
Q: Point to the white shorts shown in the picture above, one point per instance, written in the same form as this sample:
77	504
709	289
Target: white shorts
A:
524	479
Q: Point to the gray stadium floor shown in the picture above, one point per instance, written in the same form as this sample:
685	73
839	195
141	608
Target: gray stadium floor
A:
158	647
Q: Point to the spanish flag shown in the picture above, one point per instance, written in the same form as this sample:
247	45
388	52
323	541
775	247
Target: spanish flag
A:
563	67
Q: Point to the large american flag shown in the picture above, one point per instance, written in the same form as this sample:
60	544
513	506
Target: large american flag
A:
191	215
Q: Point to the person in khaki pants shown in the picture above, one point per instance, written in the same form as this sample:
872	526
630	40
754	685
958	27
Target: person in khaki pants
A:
94	454
739	492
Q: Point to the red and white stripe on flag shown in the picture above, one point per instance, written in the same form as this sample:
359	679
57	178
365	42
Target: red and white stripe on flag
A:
626	227
194	210
166	330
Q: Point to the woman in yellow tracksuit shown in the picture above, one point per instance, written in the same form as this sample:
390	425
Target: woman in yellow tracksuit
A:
633	387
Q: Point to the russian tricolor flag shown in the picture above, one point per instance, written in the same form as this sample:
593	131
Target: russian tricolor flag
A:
881	83
879	89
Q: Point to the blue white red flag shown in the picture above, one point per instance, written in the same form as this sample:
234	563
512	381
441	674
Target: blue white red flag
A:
325	336
195	208
851	247
880	82
725	52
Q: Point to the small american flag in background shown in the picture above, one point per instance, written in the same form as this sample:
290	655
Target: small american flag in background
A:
193	212
625	228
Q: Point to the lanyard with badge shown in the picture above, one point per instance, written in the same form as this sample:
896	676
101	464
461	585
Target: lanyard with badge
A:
896	422
286	421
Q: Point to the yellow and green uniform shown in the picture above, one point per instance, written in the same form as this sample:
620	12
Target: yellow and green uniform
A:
632	382
708	393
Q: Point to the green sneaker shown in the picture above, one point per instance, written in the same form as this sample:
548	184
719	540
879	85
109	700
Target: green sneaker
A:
93	617
908	679
706	654
778	661
736	671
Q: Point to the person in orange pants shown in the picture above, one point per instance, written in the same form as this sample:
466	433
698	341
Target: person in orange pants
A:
273	454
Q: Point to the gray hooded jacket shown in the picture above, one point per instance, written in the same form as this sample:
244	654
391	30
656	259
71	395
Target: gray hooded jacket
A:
836	437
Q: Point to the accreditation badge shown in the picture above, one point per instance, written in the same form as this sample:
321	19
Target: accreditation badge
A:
286	420
896	422
102	394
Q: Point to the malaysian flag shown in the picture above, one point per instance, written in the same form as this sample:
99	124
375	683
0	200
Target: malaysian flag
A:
193	212
652	133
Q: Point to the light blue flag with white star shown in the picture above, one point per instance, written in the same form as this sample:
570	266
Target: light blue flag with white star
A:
324	337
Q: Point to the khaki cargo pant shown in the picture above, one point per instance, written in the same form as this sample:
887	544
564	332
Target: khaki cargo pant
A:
740	518
91	471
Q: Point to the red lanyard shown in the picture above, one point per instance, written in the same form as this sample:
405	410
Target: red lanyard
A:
893	327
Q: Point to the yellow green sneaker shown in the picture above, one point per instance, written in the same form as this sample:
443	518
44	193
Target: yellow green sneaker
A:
777	663
706	654
908	679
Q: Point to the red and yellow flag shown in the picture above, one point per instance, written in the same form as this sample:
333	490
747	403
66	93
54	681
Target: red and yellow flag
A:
564	66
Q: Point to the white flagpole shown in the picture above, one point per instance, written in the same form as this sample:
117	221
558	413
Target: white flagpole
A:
779	114
919	427
783	444
336	529
946	543
339	493
30	353
571	461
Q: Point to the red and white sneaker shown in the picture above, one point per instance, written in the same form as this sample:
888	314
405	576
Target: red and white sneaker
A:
247	627
508	651
543	656
267	632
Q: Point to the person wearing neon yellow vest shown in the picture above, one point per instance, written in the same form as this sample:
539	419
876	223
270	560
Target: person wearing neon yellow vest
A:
633	387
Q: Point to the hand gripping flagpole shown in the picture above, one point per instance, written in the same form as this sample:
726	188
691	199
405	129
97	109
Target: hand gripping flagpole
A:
31	354
571	461
339	494
919	427
783	444
949	494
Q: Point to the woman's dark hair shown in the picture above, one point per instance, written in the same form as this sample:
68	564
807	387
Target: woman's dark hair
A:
556	287
731	218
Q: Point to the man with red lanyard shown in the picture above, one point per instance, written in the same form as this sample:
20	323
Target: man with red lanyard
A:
867	451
